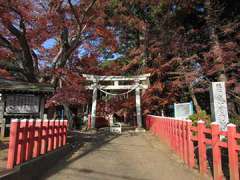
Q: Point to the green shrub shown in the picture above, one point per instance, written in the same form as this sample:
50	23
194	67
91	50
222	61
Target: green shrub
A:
200	116
236	122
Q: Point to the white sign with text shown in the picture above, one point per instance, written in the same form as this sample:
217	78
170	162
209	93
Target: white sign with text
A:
219	104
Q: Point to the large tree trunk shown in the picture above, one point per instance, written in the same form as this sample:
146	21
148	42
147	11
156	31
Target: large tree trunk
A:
212	11
211	19
69	116
194	99
146	45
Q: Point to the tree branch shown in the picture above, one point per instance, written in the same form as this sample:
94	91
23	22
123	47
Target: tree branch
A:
11	67
5	43
27	56
86	11
74	13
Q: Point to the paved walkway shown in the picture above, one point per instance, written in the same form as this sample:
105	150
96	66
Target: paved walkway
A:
129	156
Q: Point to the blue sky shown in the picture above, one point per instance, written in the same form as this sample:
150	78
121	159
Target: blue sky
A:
50	43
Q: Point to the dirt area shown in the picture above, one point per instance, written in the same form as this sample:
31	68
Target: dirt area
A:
130	156
3	153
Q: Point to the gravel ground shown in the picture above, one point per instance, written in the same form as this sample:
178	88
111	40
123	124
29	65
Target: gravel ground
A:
130	156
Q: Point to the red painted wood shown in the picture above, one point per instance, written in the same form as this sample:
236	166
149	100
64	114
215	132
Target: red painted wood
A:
29	147
61	134
178	138
185	157
178	134
175	135
30	138
51	135
57	133
37	138
65	132
232	152
181	139
22	145
190	149
202	148
89	122
13	141
44	140
216	152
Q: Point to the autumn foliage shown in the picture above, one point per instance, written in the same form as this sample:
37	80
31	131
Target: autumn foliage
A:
185	45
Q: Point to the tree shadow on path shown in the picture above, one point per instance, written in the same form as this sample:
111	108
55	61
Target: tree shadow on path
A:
113	176
93	141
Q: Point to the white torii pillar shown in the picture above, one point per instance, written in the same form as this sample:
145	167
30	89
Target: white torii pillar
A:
138	107
94	106
141	81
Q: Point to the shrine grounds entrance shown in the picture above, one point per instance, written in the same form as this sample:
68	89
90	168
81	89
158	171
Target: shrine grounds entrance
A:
130	83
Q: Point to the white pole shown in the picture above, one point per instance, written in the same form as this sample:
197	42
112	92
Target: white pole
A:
94	107
138	108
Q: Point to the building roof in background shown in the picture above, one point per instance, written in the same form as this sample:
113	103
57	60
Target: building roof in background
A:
12	85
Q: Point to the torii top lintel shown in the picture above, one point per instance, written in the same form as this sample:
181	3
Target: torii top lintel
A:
141	80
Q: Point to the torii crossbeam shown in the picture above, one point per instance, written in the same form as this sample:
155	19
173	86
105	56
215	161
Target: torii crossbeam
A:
136	83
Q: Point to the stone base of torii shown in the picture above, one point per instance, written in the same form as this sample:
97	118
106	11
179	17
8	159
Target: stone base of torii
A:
135	83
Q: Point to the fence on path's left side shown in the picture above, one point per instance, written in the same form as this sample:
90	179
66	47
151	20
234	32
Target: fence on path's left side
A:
32	138
191	143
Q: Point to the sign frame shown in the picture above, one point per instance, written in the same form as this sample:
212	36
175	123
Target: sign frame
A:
190	105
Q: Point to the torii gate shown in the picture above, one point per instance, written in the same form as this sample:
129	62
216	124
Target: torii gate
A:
141	82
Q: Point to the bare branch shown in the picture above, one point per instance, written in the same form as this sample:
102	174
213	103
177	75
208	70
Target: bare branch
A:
74	13
5	43
86	11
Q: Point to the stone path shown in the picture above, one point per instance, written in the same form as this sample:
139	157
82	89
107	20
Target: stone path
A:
129	156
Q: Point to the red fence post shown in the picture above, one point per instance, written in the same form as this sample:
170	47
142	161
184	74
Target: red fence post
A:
23	141
65	132
44	140
185	142
162	128
61	134
13	142
89	122
190	148
50	135
168	132
55	135
57	132
202	147
216	152
175	135
37	138
181	139
29	147
232	152
178	138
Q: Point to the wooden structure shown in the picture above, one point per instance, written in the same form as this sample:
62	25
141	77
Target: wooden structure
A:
181	134
21	100
44	136
130	83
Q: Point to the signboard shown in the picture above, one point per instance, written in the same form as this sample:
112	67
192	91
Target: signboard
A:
219	104
22	104
183	110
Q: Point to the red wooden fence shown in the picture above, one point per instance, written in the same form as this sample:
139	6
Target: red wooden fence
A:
32	138
181	135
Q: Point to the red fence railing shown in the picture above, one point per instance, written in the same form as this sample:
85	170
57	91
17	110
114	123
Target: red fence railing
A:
184	138
32	138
